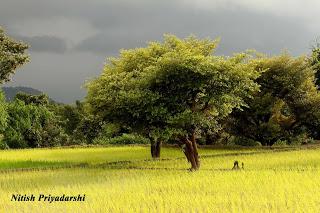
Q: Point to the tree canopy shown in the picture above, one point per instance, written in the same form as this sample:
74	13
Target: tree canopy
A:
287	105
177	86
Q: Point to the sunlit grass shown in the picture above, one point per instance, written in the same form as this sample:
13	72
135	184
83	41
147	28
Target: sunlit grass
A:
282	181
29	158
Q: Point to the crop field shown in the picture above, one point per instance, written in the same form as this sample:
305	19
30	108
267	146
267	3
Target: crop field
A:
126	179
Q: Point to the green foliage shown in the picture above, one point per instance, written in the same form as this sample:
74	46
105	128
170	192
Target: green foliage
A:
3	144
315	62
287	104
31	125
88	129
300	139
79	126
176	86
24	123
70	116
280	142
242	141
42	99
110	130
3	113
12	55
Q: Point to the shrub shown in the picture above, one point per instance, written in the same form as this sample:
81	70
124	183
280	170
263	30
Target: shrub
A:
280	143
3	145
123	139
30	125
242	141
230	141
201	141
110	130
310	141
88	129
300	139
3	112
98	141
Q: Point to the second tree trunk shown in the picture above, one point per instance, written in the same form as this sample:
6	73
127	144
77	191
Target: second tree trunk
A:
155	149
191	152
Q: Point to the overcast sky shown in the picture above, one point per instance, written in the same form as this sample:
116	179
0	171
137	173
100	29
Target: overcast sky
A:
70	39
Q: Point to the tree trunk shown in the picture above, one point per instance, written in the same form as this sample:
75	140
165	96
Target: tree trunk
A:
191	152
155	149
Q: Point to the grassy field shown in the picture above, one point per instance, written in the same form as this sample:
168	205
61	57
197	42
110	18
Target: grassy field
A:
125	179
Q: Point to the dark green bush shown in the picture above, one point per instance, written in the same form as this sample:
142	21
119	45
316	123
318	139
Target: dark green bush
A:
3	144
31	125
242	141
280	143
88	129
301	139
123	139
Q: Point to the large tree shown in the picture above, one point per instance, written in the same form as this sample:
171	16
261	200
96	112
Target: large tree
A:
176	88
12	56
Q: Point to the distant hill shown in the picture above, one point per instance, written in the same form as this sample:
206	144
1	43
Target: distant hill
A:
10	92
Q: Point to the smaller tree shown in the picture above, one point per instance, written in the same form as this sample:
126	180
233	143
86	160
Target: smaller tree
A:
286	106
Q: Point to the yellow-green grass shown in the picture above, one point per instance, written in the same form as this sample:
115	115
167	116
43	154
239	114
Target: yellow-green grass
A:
35	158
124	179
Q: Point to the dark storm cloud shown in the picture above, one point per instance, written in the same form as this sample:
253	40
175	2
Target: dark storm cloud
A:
104	43
70	38
239	30
100	12
110	43
45	43
125	24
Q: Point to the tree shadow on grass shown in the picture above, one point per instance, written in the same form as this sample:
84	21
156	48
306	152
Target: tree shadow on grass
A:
29	165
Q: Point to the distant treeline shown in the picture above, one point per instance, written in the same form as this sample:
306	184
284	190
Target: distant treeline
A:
11	92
